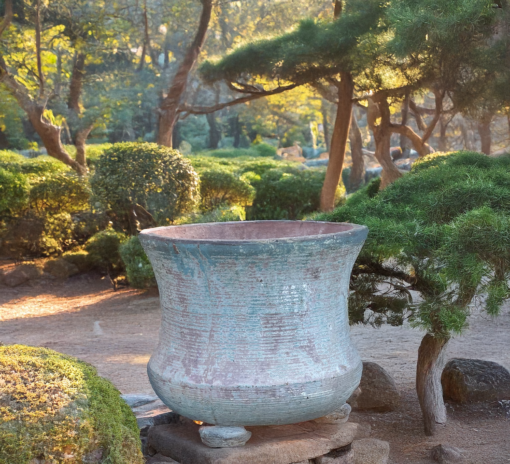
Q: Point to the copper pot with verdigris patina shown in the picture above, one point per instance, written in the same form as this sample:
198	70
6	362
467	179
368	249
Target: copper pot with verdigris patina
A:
255	327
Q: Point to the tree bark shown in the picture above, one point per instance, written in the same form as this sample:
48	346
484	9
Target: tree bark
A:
40	74
168	110
80	132
325	125
443	140
405	118
428	382
338	142
358	163
214	132
236	127
484	129
338	9
8	15
382	136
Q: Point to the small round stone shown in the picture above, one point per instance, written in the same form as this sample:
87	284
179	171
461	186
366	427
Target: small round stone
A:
224	437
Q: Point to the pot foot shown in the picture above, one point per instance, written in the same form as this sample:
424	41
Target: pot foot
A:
224	437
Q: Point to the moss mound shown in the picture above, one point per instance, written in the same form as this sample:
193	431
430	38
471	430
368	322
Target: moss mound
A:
54	408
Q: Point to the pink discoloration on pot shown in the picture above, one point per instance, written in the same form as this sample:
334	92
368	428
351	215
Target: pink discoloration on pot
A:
255	328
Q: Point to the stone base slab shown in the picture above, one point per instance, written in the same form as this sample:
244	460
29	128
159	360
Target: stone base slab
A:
282	444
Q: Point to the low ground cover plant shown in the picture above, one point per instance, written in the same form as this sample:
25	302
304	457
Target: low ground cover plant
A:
57	409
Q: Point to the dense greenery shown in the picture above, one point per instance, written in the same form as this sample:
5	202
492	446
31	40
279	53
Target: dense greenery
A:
441	231
56	408
157	179
289	193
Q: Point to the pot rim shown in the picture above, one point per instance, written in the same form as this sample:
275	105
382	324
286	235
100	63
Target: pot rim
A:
353	231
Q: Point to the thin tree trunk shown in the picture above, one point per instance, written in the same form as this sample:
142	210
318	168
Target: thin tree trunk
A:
80	133
40	74
382	136
8	15
358	163
405	117
484	129
237	131
80	142
325	124
170	105
443	141
466	134
338	142
428	382
338	8
214	132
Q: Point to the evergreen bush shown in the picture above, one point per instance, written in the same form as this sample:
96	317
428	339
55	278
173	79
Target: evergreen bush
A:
14	192
104	250
138	267
155	178
221	187
289	194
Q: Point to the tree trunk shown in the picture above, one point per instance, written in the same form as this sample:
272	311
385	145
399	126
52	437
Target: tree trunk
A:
50	136
428	382
40	74
466	134
382	136
358	163
214	132
325	125
168	110
338	142
80	142
76	85
484	129
404	142
80	133
443	140
236	127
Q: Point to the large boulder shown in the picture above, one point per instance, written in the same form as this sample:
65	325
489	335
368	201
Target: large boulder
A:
378	390
55	408
474	380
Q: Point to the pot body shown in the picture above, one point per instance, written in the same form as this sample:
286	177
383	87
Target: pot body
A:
254	331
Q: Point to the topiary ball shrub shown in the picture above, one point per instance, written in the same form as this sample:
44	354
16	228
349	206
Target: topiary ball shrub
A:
221	187
138	267
55	408
289	193
156	178
104	250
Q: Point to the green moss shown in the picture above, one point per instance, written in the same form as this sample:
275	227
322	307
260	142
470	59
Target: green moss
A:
56	408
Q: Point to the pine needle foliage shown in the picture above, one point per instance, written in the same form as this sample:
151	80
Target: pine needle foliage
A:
439	242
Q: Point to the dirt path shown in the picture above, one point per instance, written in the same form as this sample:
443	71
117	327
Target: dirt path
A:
117	332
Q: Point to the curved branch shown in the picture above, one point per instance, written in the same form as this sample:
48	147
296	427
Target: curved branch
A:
237	101
8	15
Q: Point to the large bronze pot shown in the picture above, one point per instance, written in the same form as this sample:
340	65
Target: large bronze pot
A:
255	328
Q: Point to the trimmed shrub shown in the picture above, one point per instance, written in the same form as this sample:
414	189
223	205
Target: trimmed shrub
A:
138	267
221	214
103	249
14	190
31	166
289	194
57	409
264	149
33	235
221	187
158	179
80	259
60	193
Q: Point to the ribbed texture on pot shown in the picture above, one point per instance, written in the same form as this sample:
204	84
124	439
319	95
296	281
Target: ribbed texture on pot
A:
255	333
